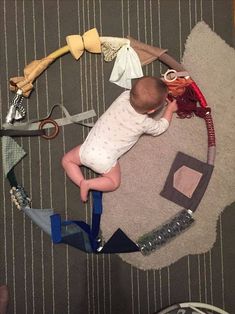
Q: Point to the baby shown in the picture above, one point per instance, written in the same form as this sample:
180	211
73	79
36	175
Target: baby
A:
115	132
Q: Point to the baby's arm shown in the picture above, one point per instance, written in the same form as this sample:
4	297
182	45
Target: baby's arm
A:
158	127
170	109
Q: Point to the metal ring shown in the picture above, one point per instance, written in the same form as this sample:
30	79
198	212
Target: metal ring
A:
170	71
56	128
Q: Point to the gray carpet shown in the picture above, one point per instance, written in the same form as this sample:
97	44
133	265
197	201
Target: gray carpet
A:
44	278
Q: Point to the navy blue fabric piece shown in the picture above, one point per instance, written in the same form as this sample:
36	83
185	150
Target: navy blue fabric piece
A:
81	236
84	226
88	235
95	225
56	228
79	240
97	202
119	243
96	216
12	178
74	233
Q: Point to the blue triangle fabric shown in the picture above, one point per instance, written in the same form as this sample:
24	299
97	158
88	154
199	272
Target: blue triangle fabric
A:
119	243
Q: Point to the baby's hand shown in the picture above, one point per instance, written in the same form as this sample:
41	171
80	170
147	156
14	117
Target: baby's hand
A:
172	105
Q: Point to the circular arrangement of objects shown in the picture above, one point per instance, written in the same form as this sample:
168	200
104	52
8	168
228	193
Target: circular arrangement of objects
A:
191	102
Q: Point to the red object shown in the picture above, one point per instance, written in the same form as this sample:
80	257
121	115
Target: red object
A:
200	96
187	102
187	107
210	130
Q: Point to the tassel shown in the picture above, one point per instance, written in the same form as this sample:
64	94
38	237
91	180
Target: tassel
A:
187	103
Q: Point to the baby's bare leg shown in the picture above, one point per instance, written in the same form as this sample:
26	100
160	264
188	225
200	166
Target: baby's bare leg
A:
106	183
71	163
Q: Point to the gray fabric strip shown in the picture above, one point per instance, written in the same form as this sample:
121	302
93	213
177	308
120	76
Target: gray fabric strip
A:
68	119
211	155
40	217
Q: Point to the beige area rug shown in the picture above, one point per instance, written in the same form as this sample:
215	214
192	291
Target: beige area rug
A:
136	207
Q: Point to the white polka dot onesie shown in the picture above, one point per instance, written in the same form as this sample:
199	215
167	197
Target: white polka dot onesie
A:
115	132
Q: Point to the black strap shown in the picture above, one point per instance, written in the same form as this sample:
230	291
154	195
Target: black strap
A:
20	133
12	178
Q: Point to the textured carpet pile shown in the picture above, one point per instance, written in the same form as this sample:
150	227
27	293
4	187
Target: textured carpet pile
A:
136	207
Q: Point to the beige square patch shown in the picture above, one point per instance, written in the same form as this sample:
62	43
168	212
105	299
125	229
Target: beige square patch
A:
186	180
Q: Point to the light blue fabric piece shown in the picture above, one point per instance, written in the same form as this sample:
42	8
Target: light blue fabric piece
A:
12	153
127	66
41	217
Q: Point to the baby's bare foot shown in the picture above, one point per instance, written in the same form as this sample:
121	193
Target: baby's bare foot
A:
84	189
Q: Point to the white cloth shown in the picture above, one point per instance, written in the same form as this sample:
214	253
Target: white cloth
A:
127	66
115	132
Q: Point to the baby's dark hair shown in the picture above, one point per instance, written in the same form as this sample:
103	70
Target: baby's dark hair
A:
148	93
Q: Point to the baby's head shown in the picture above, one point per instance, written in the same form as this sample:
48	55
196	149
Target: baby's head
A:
148	93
